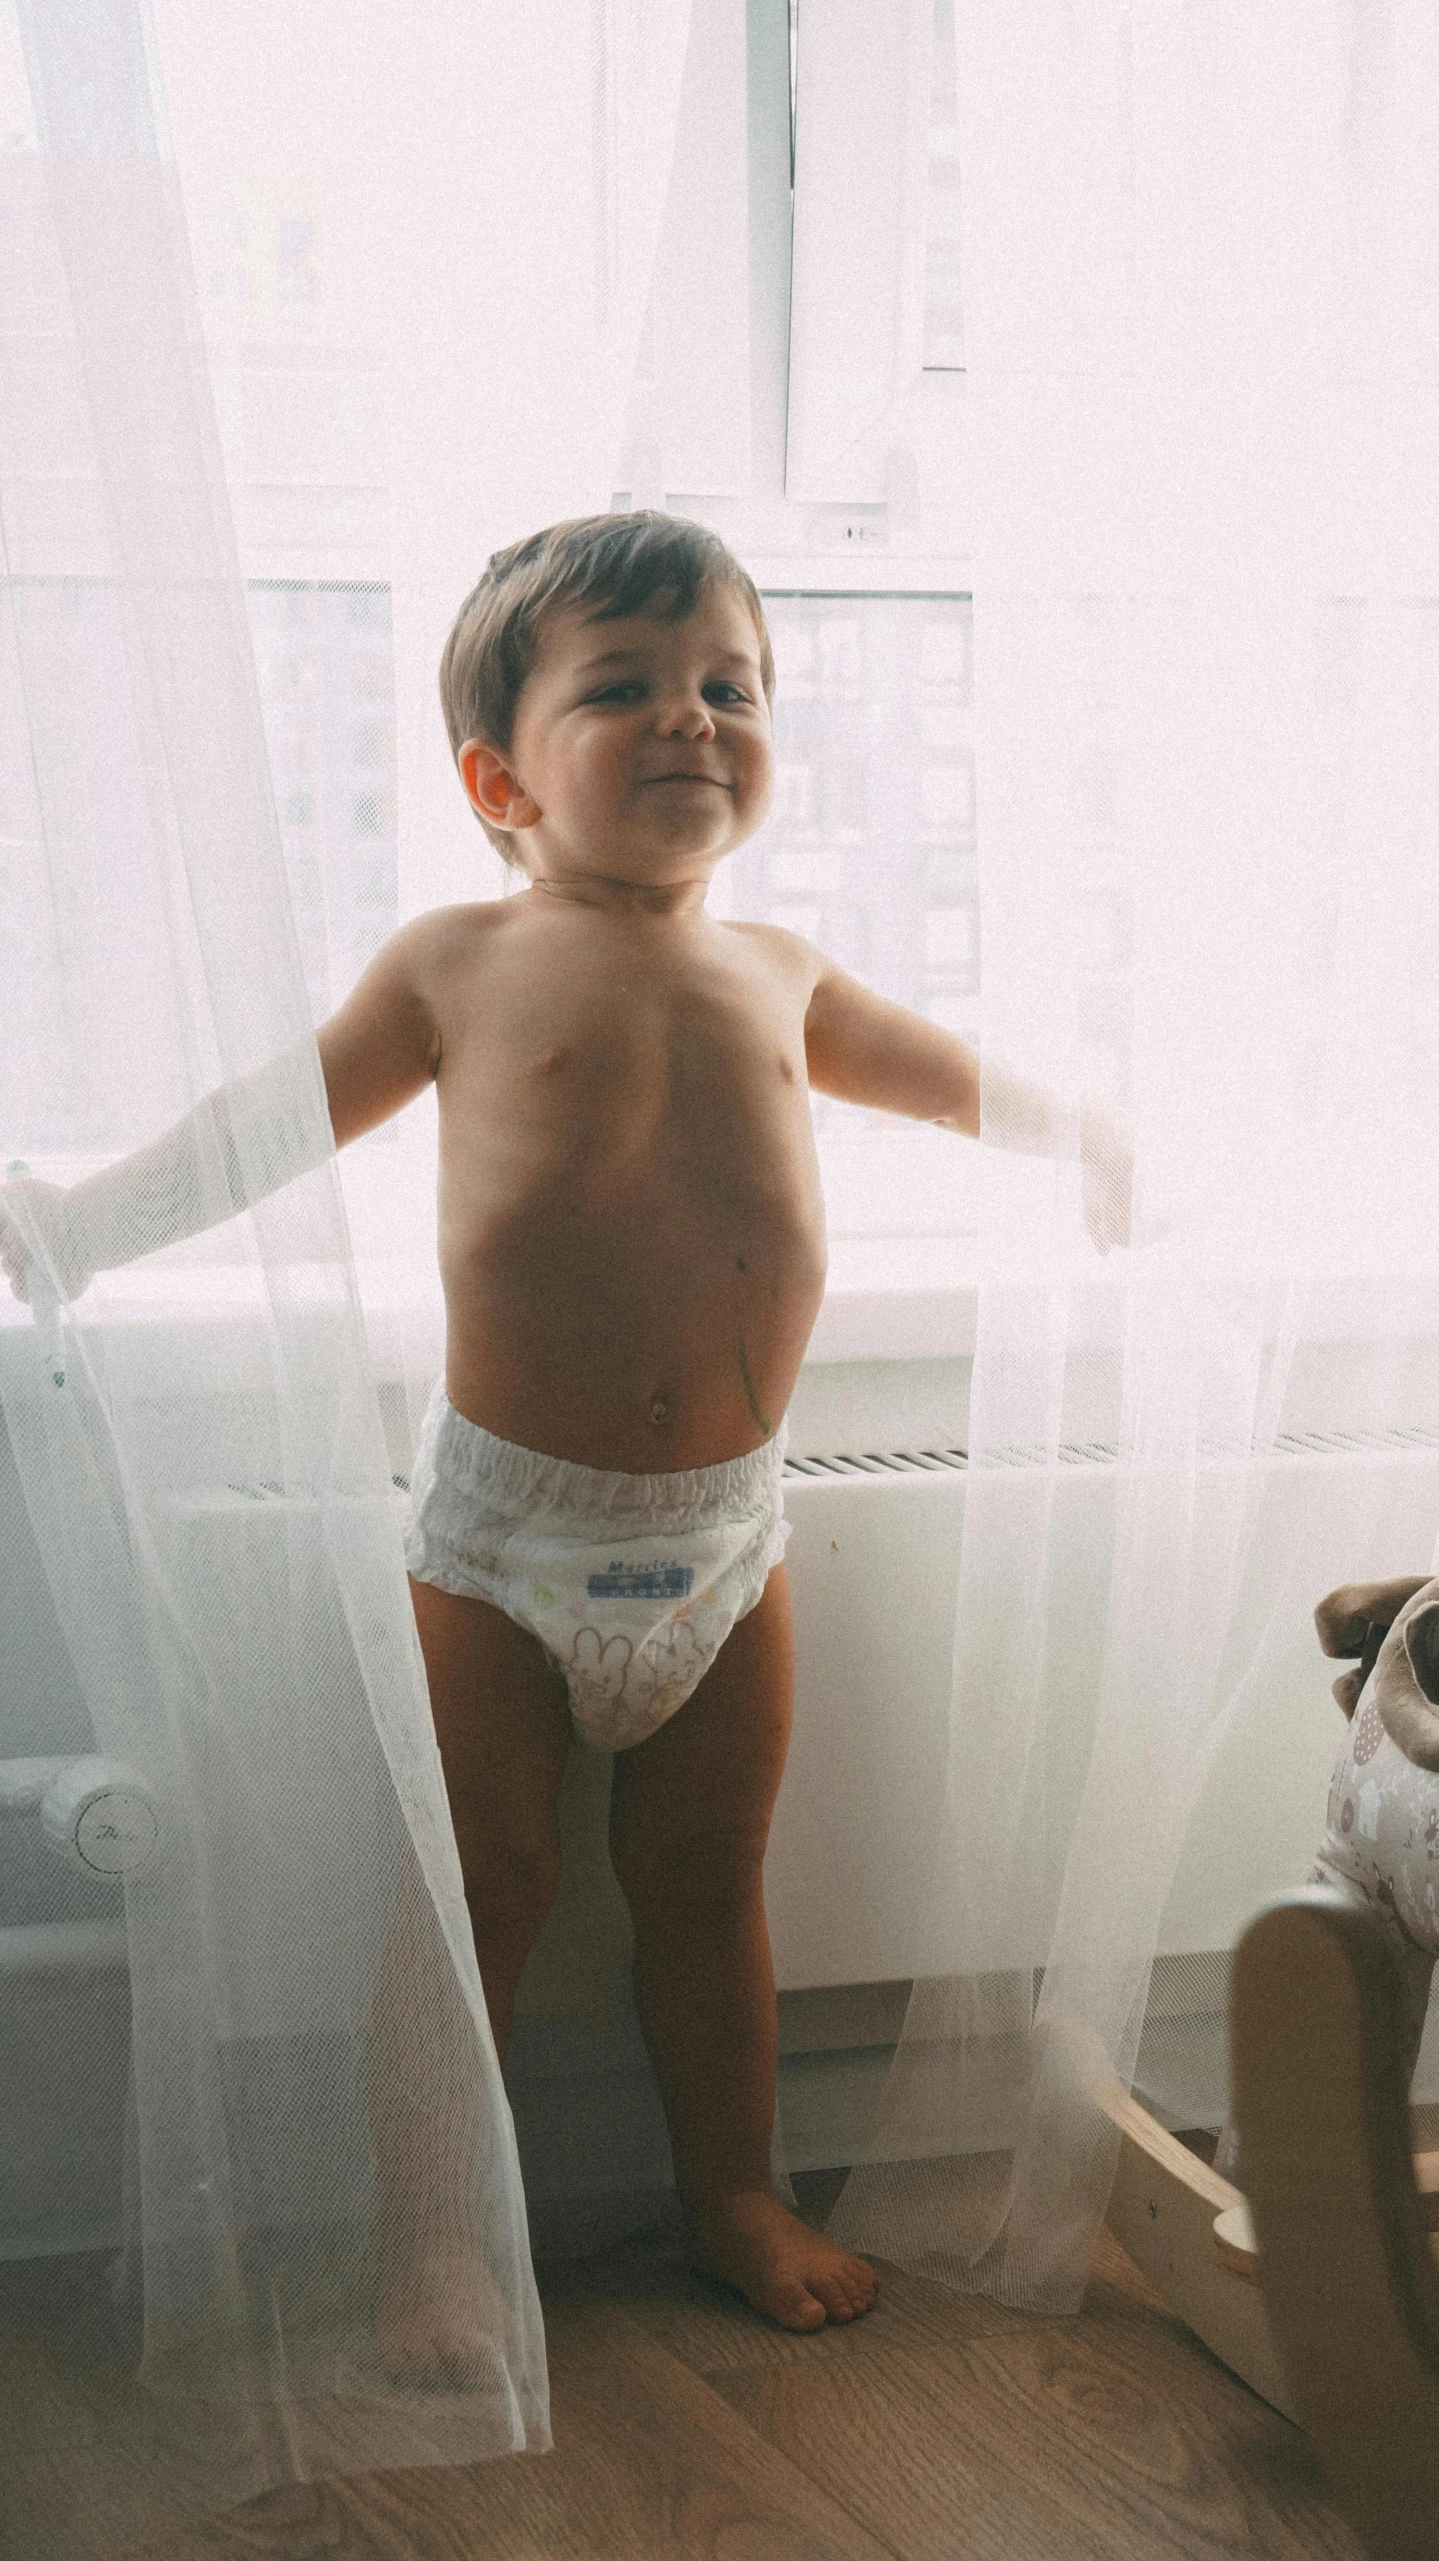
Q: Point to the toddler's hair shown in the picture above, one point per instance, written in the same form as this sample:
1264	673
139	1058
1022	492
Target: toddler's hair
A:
639	563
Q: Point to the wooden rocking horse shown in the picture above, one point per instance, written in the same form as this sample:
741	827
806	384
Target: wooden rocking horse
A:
1316	2283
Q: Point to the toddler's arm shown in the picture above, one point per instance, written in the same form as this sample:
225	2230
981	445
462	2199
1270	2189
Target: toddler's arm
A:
864	1049
203	1170
240	1143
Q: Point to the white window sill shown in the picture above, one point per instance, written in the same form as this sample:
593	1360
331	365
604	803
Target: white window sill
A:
896	1298
887	1299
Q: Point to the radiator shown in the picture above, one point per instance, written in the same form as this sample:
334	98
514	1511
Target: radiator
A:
874	1562
874	1557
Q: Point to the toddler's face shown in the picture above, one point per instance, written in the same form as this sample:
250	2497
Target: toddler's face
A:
642	748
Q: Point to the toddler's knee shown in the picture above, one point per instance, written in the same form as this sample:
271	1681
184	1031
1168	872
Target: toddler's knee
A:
708	1872
509	1890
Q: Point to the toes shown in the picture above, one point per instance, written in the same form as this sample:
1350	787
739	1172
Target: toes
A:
786	2271
850	2291
798	2309
864	2285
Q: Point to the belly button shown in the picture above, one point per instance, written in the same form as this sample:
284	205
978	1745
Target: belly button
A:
659	1409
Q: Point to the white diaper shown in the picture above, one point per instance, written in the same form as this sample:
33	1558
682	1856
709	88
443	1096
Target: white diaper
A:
630	1583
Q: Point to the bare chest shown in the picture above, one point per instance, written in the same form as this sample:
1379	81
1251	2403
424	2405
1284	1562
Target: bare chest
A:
625	1066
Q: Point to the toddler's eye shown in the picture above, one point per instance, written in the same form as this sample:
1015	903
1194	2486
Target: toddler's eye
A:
626	687
735	693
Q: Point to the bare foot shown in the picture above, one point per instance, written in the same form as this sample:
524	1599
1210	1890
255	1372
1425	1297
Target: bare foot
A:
797	2276
443	2323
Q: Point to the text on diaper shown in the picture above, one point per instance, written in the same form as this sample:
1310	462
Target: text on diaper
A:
642	1583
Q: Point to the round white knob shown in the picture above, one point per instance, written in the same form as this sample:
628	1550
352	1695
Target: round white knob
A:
101	1819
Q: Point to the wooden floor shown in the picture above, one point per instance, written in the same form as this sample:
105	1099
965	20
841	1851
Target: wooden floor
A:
685	2426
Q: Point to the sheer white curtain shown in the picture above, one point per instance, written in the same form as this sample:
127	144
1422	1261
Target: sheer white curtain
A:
228	1741
1202	330
526	156
857	301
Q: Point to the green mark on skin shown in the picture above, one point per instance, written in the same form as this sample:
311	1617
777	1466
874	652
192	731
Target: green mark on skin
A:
740	1264
766	1428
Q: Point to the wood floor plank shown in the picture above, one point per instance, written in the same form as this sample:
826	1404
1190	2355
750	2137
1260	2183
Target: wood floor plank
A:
651	2464
304	2523
715	2331
729	2488
941	2427
1268	2457
952	2426
917	2443
80	2444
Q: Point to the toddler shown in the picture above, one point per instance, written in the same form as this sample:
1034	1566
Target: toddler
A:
632	1250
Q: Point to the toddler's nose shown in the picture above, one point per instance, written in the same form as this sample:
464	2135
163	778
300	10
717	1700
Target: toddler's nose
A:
689	717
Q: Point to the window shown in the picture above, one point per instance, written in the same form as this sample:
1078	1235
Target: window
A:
869	850
943	307
326	671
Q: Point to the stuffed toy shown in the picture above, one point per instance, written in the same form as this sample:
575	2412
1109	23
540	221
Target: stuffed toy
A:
1381	1848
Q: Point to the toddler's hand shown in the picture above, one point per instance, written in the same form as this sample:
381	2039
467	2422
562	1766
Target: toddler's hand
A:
45	1205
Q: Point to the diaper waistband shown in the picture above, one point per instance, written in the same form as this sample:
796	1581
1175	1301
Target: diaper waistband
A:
470	1457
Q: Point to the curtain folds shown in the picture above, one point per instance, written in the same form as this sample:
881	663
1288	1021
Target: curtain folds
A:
210	1501
238	1921
1201	329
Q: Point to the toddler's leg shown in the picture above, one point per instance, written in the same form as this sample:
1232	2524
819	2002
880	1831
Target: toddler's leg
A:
502	1724
689	1819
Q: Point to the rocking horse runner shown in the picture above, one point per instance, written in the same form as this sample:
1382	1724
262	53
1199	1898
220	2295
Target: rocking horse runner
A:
1185	2224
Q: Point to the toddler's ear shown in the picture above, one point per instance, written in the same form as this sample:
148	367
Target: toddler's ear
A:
494	791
